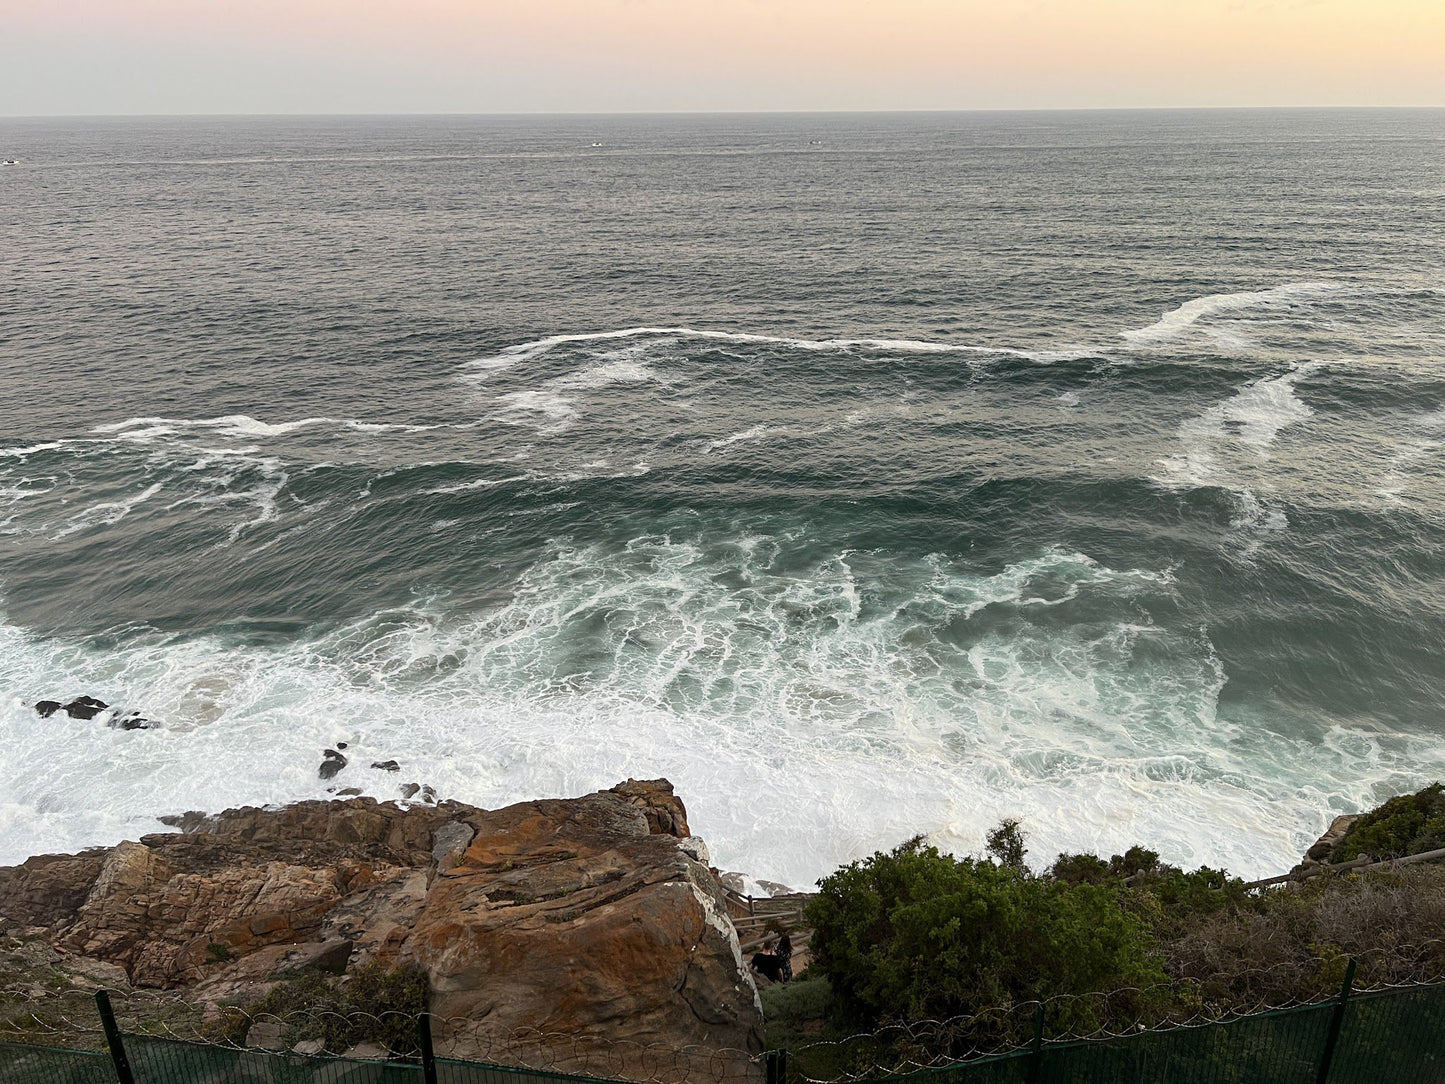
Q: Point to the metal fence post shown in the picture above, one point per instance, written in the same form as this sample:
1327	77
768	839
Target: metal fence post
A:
1036	1047
1337	1018
772	1067
112	1038
428	1056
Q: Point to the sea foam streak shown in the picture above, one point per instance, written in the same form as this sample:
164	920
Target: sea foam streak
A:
521	352
1252	418
1179	321
808	712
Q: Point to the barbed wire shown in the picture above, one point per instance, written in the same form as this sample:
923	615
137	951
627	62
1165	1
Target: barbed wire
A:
68	1017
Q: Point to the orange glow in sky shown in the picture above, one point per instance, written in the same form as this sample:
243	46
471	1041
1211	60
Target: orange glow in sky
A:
307	56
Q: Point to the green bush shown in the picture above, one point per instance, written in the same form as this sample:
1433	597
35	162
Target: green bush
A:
370	1004
915	934
1407	824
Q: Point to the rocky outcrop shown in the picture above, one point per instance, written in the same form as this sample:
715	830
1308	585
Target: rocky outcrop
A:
582	925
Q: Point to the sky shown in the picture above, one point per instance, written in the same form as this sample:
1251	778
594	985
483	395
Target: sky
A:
60	57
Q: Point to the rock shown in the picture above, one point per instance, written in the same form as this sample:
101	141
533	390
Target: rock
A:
88	974
47	708
566	917
427	795
310	1047
409	789
574	917
341	745
331	763
366	1052
1322	847
265	1035
695	849
664	810
329	957
449	843
192	820
386	765
132	720
774	888
349	792
85	707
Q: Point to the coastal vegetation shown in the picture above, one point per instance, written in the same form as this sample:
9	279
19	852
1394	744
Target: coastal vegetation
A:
1106	944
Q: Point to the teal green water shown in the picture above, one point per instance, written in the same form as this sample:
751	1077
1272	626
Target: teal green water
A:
865	475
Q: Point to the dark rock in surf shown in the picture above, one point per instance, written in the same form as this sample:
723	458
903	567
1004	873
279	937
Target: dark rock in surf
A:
409	789
192	820
386	765
332	762
47	708
85	707
132	720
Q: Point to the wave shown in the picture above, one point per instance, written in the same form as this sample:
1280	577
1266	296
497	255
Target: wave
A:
522	352
810	706
1177	322
243	425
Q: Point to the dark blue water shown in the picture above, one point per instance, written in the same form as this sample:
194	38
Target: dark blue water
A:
865	475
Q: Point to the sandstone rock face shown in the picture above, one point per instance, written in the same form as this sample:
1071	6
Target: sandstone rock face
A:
552	932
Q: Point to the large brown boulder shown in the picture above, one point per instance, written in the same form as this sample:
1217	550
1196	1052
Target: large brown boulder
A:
575	934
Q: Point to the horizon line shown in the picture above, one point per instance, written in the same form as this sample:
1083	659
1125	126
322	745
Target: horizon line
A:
722	112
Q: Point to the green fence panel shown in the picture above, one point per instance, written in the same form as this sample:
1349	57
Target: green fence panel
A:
450	1071
169	1061
1000	1069
1395	1036
1282	1047
24	1064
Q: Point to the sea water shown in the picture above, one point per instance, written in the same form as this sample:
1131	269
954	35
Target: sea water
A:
865	475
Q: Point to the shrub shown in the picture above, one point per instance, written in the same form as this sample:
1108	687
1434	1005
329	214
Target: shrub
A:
914	934
1407	824
370	1004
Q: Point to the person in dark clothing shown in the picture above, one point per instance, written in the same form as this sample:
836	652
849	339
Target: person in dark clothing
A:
784	953
767	965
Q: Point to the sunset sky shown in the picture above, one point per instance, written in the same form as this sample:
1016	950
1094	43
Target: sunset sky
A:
476	56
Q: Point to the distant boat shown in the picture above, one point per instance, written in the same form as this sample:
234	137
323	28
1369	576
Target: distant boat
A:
10	162
597	144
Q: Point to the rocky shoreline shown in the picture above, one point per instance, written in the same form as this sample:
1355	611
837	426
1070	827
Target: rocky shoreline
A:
583	919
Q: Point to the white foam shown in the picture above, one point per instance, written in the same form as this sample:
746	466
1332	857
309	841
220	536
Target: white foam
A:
1253	417
808	713
1178	322
1421	443
107	513
755	432
243	425
526	351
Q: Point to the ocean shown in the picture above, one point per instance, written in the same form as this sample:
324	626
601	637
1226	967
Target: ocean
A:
865	475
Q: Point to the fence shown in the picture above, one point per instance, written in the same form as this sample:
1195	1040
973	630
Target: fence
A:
1392	1035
